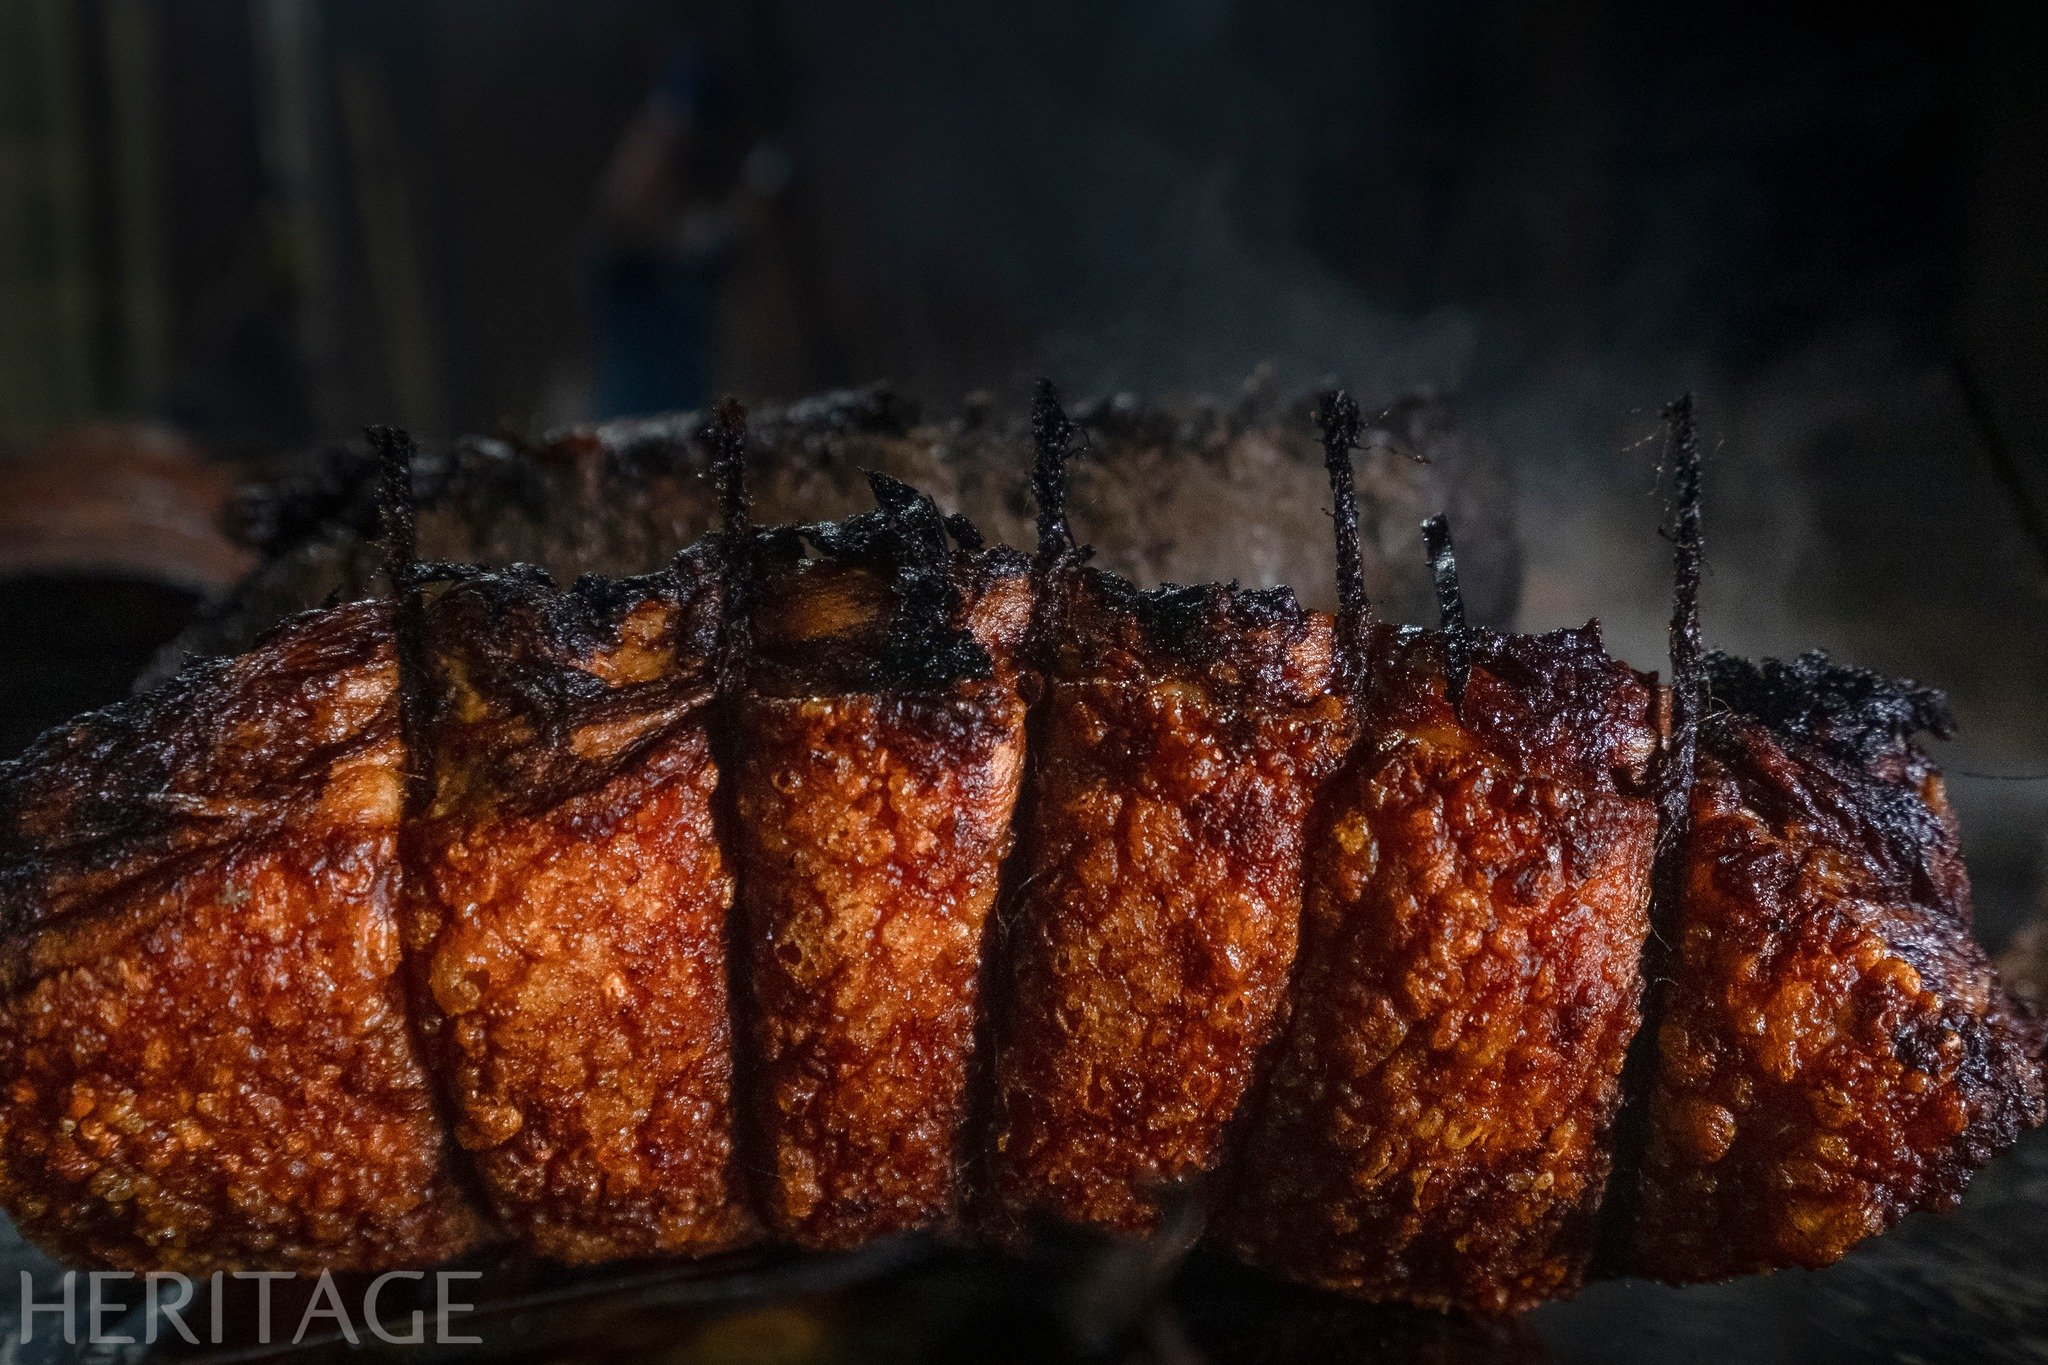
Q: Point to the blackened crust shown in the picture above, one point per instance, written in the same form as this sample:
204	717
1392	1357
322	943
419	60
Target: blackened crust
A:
530	681
1836	1050
1257	646
1858	716
225	751
1555	705
891	601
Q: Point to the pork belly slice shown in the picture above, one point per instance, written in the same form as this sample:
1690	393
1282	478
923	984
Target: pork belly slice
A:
1475	906
1185	731
567	918
878	744
1835	1050
205	1062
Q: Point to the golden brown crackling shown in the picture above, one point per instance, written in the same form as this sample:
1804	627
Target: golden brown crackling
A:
1183	740
872	829
1435	1130
202	1018
1835	1049
569	924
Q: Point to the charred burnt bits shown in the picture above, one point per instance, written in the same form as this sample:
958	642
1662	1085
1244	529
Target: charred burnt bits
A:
203	1022
1835	1049
237	867
878	736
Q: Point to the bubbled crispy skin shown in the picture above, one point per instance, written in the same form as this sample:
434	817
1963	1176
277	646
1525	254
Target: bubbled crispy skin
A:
1835	1050
203	1037
1476	898
1183	739
872	829
568	927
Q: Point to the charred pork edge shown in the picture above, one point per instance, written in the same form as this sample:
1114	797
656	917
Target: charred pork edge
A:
1053	436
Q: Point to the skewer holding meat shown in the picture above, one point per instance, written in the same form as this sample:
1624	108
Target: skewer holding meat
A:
878	742
1474	908
1182	735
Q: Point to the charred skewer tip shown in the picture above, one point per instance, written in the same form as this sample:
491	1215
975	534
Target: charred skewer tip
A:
1052	434
727	437
728	440
1337	417
1450	605
1688	666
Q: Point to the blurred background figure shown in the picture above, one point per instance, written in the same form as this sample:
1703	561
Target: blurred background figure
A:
682	191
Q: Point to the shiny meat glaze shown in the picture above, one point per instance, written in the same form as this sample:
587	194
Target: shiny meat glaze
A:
1436	1129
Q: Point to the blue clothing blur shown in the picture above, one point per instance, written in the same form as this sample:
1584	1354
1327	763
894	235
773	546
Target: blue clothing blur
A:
655	318
655	313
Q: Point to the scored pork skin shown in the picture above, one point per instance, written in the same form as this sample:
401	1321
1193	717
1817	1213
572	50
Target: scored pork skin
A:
567	913
1835	1048
203	1024
1186	732
1436	1130
879	745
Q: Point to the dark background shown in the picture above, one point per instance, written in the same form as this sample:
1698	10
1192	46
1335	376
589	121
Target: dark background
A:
265	223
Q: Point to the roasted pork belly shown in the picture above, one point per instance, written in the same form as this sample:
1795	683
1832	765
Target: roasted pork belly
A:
1476	899
566	918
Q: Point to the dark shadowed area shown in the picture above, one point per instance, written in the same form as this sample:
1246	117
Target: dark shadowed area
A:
272	223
